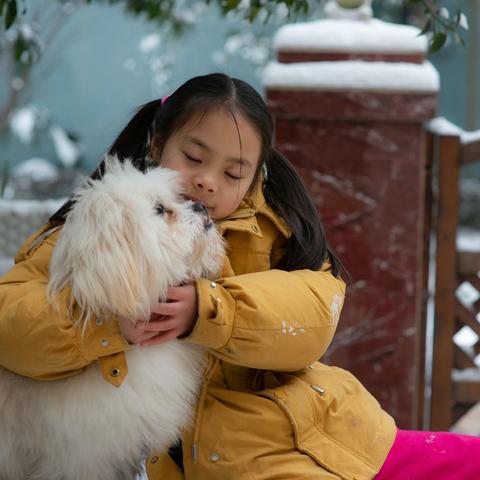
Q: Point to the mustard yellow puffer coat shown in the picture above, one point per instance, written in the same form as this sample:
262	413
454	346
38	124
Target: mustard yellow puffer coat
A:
267	409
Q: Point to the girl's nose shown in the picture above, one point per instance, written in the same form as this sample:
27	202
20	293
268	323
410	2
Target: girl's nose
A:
205	183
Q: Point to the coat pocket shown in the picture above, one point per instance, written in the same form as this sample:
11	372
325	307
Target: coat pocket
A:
336	422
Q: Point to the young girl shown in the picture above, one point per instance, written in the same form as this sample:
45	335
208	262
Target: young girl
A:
267	409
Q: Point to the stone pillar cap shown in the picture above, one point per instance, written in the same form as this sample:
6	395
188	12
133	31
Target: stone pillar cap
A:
351	36
353	75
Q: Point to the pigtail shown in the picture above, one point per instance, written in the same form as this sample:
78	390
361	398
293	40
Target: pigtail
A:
133	142
307	247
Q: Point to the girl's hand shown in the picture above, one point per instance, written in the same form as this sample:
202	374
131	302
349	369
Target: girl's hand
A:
134	333
172	319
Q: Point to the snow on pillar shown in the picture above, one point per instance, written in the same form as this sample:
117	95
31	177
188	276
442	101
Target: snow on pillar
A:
349	98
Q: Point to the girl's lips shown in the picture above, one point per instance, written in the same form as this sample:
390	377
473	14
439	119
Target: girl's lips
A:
194	199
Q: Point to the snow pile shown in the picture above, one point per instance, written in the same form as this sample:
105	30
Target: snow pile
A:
353	75
35	170
350	36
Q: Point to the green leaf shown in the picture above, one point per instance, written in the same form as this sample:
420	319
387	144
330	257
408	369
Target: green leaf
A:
19	47
252	14
437	41
232	4
11	14
2	4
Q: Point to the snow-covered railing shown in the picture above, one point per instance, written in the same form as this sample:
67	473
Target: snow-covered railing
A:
470	141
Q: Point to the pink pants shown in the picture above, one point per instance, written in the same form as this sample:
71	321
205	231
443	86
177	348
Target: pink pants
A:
432	456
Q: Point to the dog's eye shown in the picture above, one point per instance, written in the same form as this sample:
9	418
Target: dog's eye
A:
160	209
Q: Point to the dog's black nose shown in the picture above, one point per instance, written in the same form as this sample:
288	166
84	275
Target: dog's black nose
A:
199	207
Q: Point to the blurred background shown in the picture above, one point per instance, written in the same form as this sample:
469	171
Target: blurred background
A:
92	64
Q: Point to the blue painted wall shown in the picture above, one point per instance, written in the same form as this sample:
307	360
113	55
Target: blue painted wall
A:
85	84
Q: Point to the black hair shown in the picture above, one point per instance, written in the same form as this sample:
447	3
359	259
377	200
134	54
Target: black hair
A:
283	188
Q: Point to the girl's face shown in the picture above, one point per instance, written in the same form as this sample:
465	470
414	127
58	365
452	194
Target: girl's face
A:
215	169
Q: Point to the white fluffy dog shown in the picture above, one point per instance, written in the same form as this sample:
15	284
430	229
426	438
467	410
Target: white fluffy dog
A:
128	237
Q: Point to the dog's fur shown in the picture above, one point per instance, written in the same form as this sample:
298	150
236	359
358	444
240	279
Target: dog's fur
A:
128	237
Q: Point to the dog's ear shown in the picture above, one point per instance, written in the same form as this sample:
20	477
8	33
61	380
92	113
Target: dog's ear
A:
97	255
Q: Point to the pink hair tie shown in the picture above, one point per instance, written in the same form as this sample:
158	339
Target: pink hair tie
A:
164	99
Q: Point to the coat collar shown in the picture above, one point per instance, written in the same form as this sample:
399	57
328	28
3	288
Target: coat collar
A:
245	216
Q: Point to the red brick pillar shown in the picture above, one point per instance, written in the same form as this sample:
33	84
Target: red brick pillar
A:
349	100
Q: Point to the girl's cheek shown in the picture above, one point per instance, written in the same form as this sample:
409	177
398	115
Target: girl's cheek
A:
184	179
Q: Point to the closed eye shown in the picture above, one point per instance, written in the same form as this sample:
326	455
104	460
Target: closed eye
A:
234	177
192	159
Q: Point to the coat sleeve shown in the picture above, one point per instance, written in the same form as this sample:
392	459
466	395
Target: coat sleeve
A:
39	340
273	320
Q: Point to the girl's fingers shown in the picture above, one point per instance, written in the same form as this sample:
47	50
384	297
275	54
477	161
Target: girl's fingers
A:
160	325
166	309
161	338
176	293
142	337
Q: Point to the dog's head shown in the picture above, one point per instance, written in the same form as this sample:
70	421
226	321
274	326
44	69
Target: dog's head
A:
128	237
